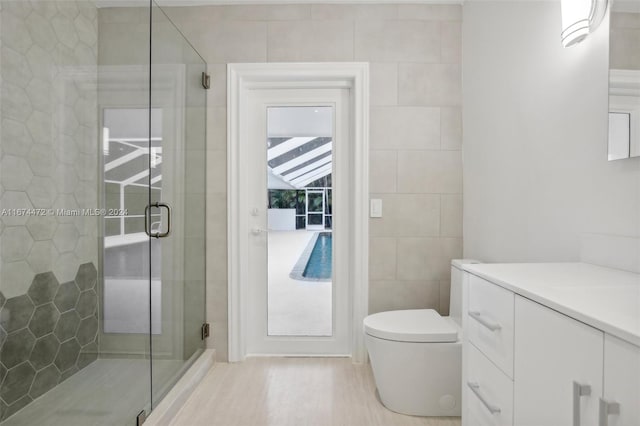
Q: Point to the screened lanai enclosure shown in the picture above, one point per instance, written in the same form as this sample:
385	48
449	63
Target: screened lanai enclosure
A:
102	212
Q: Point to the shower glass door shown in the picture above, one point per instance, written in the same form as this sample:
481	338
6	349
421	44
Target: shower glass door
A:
176	212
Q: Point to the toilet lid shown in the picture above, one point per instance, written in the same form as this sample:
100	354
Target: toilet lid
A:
414	325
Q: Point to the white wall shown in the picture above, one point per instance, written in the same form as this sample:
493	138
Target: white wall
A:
536	175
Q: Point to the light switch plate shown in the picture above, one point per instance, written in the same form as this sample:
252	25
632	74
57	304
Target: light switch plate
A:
375	208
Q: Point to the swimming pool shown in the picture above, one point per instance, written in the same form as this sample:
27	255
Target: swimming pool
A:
315	262
319	264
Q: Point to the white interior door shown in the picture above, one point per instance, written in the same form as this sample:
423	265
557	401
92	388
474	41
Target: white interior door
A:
280	302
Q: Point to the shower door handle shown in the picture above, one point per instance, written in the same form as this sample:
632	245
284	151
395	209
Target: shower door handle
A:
147	220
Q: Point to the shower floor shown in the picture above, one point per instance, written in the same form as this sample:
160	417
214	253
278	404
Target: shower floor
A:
107	392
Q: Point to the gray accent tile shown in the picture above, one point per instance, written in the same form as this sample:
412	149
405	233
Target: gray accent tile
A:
2	299
44	381
67	325
67	355
87	330
16	406
88	354
17	348
44	320
87	276
43	288
67	296
16	312
3	373
17	383
70	372
3	336
44	351
87	303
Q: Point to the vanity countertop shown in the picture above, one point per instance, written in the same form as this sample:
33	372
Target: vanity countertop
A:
607	299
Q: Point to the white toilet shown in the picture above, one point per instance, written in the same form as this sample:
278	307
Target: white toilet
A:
416	355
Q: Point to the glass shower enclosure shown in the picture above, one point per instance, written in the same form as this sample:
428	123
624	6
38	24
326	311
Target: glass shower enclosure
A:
102	211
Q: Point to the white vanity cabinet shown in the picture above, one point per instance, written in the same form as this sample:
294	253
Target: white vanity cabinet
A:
558	368
533	358
620	405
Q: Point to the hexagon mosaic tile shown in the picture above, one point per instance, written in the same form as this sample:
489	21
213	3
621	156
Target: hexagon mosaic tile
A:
46	336
49	119
49	115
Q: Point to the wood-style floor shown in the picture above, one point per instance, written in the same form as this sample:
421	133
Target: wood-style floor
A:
293	392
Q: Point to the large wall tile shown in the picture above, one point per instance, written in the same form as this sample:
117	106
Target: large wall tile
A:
450	128
393	295
383	83
417	215
419	258
397	41
430	84
383	172
302	41
229	41
451	48
430	12
451	219
436	172
382	258
405	128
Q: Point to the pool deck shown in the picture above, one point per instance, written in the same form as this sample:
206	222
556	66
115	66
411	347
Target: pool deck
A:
295	307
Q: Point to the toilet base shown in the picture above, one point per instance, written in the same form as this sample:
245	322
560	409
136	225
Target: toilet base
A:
419	379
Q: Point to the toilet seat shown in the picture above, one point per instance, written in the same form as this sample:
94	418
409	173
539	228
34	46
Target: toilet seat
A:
413	325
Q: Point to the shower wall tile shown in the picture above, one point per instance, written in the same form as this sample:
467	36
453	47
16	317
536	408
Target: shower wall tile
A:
48	121
416	129
49	334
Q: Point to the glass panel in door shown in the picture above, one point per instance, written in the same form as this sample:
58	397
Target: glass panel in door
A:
177	203
299	258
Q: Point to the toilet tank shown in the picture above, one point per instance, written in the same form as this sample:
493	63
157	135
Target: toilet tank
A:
455	294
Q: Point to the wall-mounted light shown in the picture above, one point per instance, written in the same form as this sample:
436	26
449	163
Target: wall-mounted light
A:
580	18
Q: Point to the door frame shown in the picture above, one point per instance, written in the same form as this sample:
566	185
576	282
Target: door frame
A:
324	209
244	77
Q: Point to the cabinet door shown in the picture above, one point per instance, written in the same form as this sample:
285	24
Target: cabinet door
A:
621	382
554	356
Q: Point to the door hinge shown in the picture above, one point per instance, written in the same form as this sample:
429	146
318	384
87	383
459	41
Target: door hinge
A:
141	418
206	81
206	331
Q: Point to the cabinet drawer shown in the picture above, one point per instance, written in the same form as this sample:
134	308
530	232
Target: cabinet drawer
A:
489	391
490	322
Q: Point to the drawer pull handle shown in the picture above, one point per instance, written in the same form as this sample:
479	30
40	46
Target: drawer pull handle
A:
607	408
487	323
579	390
475	388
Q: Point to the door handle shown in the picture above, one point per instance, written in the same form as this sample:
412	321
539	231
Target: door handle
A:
493	326
607	408
579	390
258	231
147	220
475	388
